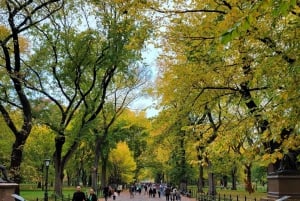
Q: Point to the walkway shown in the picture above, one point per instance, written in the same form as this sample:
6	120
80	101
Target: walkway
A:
124	196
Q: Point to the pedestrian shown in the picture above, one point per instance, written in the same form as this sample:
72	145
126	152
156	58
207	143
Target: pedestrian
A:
131	191
161	190
78	195
167	193
150	192
174	193
115	194
92	195
154	191
119	189
145	188
178	196
106	192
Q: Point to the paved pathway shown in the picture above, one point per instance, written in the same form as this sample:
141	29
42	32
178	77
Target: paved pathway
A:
124	196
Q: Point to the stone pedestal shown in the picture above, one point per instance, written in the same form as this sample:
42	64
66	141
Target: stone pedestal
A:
6	190
283	185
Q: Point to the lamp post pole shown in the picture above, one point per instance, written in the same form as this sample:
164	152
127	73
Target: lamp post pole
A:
47	163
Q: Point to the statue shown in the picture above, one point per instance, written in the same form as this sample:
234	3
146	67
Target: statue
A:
288	163
4	177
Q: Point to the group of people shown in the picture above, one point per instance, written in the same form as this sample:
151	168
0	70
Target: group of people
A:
171	193
108	191
80	196
91	196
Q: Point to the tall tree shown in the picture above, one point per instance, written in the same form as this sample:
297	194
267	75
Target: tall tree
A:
122	168
232	53
16	19
76	68
124	90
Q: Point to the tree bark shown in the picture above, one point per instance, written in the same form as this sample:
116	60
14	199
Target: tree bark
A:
233	176
248	180
200	179
211	181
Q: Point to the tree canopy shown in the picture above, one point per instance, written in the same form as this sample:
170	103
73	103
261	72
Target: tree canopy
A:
227	88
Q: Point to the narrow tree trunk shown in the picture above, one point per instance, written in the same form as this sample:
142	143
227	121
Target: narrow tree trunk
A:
225	181
104	172
96	163
200	180
233	176
248	182
211	181
58	164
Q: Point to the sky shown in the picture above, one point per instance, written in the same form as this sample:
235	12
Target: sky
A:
148	103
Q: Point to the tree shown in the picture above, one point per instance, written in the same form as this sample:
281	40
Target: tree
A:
123	91
80	65
39	146
122	167
232	53
17	18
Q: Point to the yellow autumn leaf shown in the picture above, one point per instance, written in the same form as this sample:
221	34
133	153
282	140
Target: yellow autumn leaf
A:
4	32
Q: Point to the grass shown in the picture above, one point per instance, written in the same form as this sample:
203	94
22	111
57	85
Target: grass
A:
32	193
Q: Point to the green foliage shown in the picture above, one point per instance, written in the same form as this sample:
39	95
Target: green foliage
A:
39	146
259	174
231	60
6	142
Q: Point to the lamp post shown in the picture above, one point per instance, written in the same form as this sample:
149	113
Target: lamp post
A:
47	163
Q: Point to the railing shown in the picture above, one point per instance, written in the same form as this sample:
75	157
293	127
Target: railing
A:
219	197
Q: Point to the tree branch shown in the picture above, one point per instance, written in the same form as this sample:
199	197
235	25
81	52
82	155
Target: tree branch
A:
188	11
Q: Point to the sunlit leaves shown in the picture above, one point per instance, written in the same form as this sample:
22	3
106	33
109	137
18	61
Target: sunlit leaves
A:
123	162
39	146
4	32
208	57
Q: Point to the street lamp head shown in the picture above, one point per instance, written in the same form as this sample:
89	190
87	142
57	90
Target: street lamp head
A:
47	162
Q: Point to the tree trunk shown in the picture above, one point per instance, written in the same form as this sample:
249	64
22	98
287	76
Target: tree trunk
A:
233	176
96	163
225	181
200	168
211	181
104	172
58	164
248	182
58	180
16	159
200	180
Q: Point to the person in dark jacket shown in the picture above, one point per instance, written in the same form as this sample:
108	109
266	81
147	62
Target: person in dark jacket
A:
92	195
106	192
79	195
167	193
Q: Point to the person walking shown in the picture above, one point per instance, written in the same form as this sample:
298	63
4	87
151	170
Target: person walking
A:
106	192
150	192
92	195
167	193
154	191
78	195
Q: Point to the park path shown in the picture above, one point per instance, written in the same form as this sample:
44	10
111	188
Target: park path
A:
125	196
